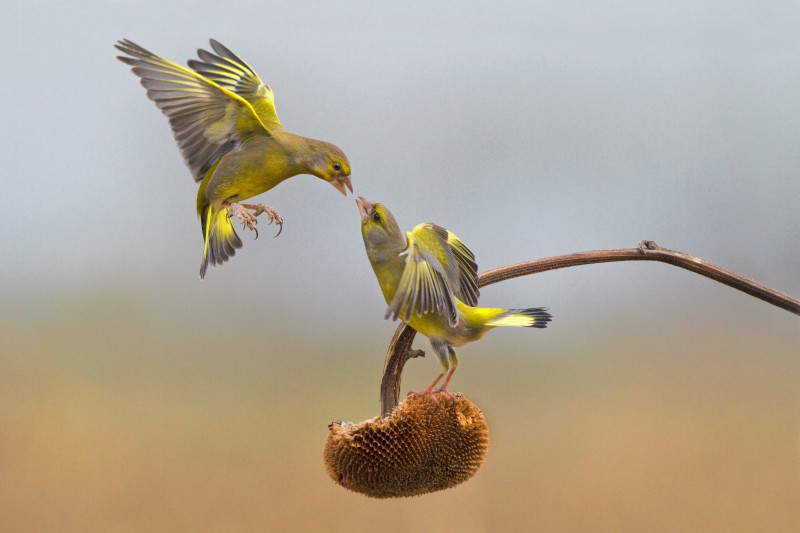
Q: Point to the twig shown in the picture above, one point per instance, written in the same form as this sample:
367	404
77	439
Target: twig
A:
400	347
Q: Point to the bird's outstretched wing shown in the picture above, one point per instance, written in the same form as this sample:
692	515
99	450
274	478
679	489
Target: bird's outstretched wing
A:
456	259
207	119
467	288
229	71
439	268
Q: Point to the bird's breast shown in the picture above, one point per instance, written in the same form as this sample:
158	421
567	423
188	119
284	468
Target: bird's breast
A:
248	173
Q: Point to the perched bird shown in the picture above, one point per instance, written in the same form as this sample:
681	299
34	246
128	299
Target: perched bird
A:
429	279
224	121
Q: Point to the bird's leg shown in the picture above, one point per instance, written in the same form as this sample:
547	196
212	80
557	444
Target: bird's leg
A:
429	390
453	366
446	355
271	213
247	219
443	388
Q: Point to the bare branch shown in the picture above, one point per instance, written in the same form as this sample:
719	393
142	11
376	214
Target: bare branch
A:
399	352
400	348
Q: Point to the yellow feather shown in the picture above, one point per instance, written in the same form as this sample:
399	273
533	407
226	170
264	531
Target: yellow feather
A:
514	321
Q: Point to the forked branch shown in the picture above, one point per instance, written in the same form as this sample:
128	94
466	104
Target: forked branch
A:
400	347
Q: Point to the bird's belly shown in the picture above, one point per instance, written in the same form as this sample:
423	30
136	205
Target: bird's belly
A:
251	184
241	178
433	326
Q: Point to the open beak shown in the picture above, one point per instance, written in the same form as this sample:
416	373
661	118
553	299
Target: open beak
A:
341	182
364	207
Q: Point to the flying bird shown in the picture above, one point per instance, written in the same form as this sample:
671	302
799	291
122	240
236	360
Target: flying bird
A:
224	120
429	279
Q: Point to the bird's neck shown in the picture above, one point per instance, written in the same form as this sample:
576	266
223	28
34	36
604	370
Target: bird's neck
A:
389	274
307	155
388	267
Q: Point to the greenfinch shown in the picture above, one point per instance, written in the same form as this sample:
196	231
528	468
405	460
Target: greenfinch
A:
429	280
224	120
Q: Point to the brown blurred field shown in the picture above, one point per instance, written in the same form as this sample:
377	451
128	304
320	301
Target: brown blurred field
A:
112	422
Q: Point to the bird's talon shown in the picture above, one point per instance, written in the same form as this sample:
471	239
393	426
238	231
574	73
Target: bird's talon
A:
432	395
272	215
444	390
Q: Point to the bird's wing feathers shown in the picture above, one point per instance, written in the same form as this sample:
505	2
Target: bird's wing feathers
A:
229	71
207	119
467	289
429	277
457	260
423	286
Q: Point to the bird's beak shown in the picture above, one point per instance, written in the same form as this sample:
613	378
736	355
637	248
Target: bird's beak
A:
341	182
364	207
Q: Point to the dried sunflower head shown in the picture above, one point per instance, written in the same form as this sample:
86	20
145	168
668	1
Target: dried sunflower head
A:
420	447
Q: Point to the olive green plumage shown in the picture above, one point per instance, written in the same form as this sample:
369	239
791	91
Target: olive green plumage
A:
224	120
429	280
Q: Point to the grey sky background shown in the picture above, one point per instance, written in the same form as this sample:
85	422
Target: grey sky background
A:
528	129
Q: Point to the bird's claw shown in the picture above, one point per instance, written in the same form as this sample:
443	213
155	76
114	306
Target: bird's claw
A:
247	219
444	390
429	393
273	215
432	393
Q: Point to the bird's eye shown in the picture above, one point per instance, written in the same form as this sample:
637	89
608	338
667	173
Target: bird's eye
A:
337	167
376	216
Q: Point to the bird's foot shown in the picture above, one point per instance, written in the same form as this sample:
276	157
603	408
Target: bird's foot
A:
443	389
431	393
244	216
427	392
273	215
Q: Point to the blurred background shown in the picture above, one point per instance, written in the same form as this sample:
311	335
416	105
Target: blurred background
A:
134	397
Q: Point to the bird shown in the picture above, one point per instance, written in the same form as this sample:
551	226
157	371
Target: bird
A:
429	280
224	121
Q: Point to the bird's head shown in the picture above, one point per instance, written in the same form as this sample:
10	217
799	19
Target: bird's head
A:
381	233
330	164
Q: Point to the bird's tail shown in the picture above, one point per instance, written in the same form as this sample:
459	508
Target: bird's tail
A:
536	317
220	238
